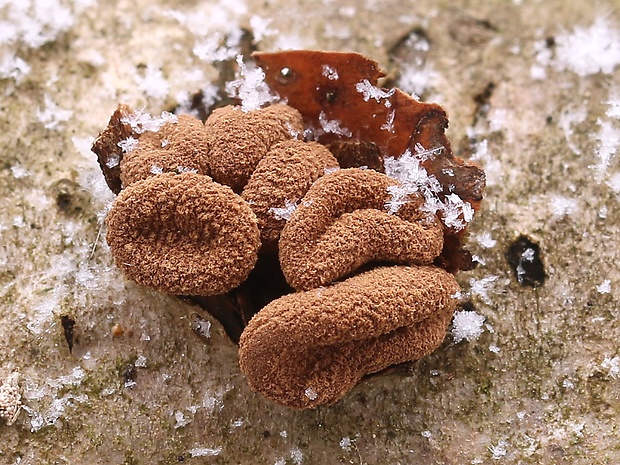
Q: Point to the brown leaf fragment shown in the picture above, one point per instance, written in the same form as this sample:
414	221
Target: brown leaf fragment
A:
342	87
109	153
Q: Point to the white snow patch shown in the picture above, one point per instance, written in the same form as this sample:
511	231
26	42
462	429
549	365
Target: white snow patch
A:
297	456
413	176
589	50
608	136
495	349
153	83
467	325
346	443
181	420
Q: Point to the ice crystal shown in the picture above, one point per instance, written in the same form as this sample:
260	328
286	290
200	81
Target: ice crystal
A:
284	213
250	87
333	126
467	325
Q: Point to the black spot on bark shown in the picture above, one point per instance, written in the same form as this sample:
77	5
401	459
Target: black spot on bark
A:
524	258
67	325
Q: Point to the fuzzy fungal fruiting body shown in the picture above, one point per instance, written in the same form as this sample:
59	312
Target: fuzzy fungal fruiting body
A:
324	253
325	340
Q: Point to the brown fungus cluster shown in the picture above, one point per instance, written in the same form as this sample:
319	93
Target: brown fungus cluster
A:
285	223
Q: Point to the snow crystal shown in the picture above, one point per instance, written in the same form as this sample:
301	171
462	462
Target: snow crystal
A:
481	287
486	241
284	213
205	451
52	116
613	365
604	287
250	87
113	161
589	50
155	169
31	24
415	79
568	384
140	361
127	145
614	185
609	141
297	456
201	326
141	121
413	176
153	83
19	172
426	434
260	28
456	212
563	206
389	123
492	166
467	325
12	67
181	419
373	92
333	126
310	393
614	105
345	443
495	349
330	73
498	451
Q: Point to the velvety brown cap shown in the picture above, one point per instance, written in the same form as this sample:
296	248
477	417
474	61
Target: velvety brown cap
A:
280	180
178	146
342	223
183	234
238	140
310	348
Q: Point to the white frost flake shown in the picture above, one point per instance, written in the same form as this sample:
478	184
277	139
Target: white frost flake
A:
482	287
310	393
141	121
330	73
486	241
604	287
467	325
260	28
127	145
498	451
205	451
250	87
297	456
413	176
613	365
333	126
284	213
369	91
